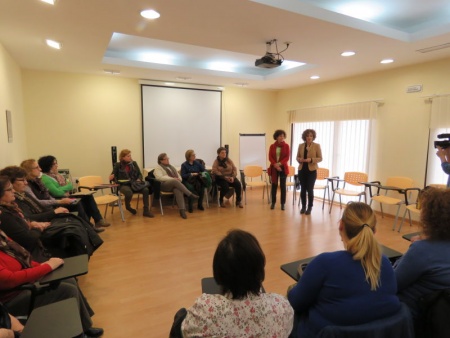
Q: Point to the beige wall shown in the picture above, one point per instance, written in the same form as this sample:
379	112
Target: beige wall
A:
11	99
77	118
402	121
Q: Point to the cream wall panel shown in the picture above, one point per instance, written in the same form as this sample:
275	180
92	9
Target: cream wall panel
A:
11	99
77	118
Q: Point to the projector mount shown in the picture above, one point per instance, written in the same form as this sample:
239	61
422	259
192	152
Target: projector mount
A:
270	59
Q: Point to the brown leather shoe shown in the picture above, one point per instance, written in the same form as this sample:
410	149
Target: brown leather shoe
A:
102	223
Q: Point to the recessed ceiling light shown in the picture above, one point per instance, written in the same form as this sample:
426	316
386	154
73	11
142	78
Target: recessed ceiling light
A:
387	61
51	2
111	71
53	44
315	77
348	53
150	14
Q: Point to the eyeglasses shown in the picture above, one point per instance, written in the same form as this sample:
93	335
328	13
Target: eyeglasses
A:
9	189
35	167
21	179
165	158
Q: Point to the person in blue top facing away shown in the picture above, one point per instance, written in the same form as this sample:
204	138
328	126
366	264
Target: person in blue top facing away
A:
425	267
349	287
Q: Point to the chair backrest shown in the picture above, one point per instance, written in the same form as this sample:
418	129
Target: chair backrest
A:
252	171
354	177
398	325
322	173
90	181
400	182
435	319
291	171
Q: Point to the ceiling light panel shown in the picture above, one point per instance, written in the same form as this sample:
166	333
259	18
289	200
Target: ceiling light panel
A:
150	14
54	44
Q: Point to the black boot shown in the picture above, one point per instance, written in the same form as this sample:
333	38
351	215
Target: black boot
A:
190	205
183	213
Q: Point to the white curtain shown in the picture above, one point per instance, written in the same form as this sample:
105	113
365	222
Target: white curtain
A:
344	132
439	124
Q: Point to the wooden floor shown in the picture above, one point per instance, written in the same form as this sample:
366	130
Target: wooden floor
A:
149	268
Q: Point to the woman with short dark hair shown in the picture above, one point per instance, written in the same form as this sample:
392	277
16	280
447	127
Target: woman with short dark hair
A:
191	174
279	154
242	309
59	187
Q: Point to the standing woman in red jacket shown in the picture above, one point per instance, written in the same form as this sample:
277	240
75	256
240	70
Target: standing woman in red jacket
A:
279	157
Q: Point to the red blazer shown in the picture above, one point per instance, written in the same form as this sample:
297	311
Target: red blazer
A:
12	275
284	156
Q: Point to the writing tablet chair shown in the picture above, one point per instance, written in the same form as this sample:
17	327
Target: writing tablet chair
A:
351	179
322	183
157	192
255	177
95	183
290	182
411	207
396	326
395	192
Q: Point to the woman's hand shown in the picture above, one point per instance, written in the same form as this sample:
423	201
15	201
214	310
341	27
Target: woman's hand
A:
65	201
111	177
54	262
61	210
6	333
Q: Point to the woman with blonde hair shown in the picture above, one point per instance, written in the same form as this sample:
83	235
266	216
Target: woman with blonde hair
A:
336	283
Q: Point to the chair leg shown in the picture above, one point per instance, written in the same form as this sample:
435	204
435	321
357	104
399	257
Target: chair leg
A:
340	201
323	201
106	209
396	218
119	204
160	205
331	203
381	207
137	203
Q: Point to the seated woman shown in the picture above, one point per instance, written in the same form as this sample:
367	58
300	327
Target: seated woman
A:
17	268
241	310
126	171
59	187
13	330
32	234
171	182
349	287
68	235
425	267
191	174
225	174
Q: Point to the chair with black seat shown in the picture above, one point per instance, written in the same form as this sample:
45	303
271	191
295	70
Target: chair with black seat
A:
396	326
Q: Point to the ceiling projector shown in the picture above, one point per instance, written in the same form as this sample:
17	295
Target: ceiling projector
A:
271	60
268	61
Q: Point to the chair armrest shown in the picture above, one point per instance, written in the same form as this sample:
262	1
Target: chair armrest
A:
370	185
85	187
407	190
332	180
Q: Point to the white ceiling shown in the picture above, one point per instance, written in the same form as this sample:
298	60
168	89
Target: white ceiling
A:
216	42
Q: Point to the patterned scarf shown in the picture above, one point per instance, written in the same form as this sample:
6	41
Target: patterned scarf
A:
129	169
58	178
14	209
222	162
170	170
39	188
34	205
14	250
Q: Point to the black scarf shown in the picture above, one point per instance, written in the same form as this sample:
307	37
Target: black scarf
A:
35	206
222	163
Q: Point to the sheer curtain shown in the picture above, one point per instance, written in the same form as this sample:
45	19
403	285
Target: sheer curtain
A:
344	133
439	124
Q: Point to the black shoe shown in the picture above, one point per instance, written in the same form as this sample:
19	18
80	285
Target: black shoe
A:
282	207
194	196
130	209
200	207
148	213
190	206
183	213
272	206
98	229
94	332
308	211
303	210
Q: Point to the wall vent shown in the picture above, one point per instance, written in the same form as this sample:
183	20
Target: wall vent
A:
433	48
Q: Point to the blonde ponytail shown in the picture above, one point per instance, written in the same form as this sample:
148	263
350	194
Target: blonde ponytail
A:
359	224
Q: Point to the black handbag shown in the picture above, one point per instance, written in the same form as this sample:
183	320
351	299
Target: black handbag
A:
5	321
137	186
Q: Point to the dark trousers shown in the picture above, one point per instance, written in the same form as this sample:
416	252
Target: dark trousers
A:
128	193
199	190
91	208
307	180
225	186
282	176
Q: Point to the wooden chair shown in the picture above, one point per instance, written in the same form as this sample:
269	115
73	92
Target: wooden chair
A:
290	182
255	172
95	183
352	178
397	196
